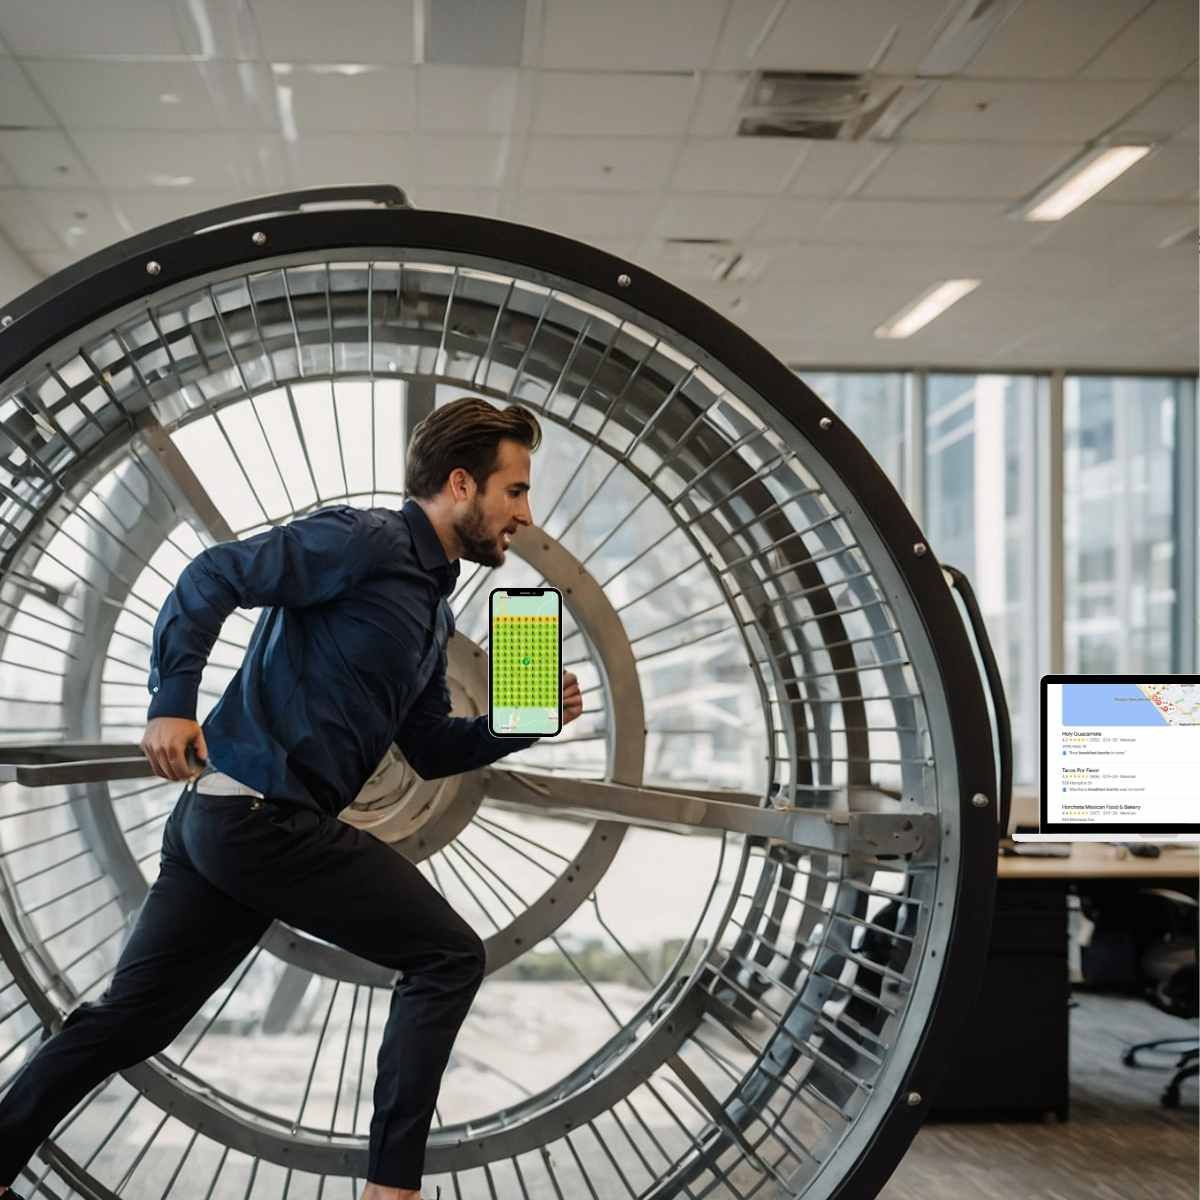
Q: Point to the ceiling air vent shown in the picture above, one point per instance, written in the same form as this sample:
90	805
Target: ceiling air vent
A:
813	104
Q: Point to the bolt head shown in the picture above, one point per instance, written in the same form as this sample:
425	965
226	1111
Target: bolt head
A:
258	238
980	800
913	1099
5	322
623	281
153	268
825	423
920	549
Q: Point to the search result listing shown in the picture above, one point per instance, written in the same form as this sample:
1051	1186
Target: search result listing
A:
1124	753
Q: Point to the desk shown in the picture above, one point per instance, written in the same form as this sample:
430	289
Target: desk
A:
1098	860
1012	1059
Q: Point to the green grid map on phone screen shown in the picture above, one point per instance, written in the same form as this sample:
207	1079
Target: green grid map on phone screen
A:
525	670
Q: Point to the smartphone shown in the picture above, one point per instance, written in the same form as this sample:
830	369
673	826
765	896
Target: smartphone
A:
525	663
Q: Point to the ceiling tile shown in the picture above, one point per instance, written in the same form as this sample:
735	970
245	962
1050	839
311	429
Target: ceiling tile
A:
19	103
244	162
882	221
471	33
845	310
985	320
964	172
826	35
370	158
790	217
1010	111
822	263
83	222
918	24
1046	39
462	161
829	168
1169	173
351	31
17	273
1160	42
477	202
695	266
375	99
641	105
584	163
815	262
690	216
219	29
22	223
1141	226
716	112
585	215
51	28
631	35
43	158
51	262
154	95
466	99
148	209
1171	112
753	166
629	249
1077	277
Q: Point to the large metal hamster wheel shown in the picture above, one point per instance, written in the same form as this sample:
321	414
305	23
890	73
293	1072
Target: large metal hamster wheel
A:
734	915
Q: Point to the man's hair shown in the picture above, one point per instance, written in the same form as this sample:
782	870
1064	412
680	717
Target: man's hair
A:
464	433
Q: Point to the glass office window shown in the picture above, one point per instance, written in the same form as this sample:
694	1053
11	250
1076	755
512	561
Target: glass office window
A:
1119	522
872	405
980	495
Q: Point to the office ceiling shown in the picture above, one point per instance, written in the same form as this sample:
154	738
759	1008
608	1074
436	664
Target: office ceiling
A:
617	122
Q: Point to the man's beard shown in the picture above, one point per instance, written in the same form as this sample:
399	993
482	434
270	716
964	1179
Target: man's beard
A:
478	545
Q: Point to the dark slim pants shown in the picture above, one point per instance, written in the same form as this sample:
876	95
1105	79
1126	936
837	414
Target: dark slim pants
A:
228	867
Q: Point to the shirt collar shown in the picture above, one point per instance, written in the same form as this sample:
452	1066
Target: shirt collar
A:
430	552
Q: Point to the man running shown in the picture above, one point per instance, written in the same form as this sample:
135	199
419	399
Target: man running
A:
347	656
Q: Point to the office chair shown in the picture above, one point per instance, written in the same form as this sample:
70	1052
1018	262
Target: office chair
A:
1168	967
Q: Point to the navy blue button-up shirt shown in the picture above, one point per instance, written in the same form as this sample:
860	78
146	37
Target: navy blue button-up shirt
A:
348	655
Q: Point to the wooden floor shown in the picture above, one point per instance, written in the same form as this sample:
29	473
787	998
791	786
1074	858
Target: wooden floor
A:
1119	1144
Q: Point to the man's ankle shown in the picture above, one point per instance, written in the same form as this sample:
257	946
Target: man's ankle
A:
379	1191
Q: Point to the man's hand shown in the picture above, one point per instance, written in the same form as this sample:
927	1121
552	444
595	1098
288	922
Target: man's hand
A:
165	743
572	700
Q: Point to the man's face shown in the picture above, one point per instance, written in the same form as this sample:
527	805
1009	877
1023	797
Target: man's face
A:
484	522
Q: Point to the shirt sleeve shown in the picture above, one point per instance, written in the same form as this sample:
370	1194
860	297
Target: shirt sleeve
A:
306	562
437	744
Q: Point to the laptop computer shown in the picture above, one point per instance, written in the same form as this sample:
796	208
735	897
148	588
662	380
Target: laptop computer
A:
1120	759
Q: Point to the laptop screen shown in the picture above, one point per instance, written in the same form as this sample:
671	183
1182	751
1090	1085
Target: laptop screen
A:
1120	754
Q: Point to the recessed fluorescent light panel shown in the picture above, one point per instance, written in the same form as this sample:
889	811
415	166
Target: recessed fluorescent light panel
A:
925	307
1080	181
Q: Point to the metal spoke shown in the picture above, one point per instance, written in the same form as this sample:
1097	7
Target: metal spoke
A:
682	811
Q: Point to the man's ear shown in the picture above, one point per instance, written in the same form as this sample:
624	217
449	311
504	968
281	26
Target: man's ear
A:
460	484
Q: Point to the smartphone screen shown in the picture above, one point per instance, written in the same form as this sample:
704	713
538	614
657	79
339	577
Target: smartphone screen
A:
524	666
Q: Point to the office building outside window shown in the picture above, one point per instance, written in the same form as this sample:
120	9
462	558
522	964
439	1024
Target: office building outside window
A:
872	405
980	495
1120	522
